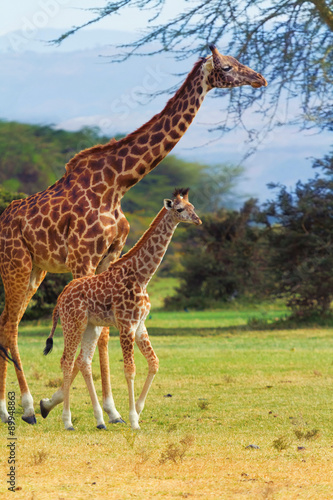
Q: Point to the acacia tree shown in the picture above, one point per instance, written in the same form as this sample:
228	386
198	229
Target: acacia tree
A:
300	233
289	41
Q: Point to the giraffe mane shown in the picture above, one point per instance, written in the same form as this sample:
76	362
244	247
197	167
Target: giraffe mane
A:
113	144
98	148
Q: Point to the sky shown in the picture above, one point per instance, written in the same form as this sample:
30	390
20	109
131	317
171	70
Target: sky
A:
284	155
21	14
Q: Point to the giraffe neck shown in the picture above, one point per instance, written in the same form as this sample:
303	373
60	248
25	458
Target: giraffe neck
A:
119	165
141	151
145	257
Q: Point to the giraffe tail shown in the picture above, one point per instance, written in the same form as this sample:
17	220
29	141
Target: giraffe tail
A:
49	341
4	355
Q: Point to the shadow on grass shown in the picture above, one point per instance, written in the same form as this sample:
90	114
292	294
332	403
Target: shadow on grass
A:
254	325
42	332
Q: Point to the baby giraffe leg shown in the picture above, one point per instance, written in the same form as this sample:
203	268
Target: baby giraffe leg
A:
108	402
143	342
67	365
127	335
88	346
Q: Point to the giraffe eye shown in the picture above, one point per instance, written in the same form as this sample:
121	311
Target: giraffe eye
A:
180	209
227	68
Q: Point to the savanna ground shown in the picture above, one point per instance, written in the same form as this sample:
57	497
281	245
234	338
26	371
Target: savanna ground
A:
221	388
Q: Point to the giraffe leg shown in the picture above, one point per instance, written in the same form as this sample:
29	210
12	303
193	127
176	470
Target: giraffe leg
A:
72	338
26	398
143	342
108	402
67	368
73	327
127	335
3	367
88	346
46	405
20	285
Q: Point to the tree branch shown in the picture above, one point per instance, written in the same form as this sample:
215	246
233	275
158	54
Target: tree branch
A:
324	11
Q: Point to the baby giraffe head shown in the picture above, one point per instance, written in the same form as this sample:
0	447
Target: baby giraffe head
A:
181	209
227	72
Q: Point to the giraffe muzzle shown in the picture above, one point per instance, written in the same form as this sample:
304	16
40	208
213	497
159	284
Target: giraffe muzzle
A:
260	82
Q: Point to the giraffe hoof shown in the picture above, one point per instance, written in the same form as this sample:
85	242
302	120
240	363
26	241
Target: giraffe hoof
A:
117	421
101	426
70	429
30	420
44	412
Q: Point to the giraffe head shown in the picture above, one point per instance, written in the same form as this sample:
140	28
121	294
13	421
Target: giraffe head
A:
227	72
180	207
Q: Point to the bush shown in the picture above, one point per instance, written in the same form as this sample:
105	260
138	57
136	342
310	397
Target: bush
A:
222	260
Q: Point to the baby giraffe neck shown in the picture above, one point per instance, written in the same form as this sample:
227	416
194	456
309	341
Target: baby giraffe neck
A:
145	257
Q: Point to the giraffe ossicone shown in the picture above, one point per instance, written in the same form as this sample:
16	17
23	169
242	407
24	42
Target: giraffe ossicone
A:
118	297
77	223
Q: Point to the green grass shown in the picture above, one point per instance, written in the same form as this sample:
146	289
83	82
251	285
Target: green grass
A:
212	320
160	288
231	387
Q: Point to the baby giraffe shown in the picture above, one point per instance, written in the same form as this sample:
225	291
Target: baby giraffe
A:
117	297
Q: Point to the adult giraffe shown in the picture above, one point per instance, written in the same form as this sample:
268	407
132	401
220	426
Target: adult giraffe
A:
77	223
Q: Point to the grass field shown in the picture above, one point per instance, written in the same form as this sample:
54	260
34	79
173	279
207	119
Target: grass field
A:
231	387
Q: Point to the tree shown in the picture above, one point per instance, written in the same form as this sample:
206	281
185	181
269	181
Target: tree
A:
300	235
32	156
216	188
290	42
221	259
6	197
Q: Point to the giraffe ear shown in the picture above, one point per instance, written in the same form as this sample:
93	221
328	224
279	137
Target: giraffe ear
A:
168	204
